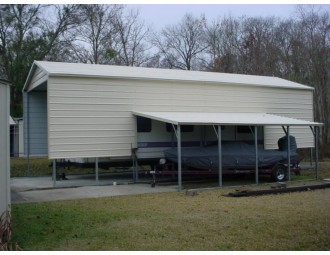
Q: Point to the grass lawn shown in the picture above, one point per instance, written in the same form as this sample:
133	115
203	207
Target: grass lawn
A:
174	221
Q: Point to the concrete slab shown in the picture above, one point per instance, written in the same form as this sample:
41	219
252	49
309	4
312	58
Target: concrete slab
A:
40	189
86	192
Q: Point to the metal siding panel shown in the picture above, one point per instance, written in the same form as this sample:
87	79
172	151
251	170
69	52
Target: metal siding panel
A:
87	105
35	124
4	148
284	102
303	135
301	107
25	117
21	138
115	153
89	118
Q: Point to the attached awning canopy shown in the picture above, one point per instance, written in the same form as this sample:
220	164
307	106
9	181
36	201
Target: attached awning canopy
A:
230	119
225	119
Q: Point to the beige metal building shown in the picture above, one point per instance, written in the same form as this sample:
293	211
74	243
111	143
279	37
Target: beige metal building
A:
82	110
4	147
122	113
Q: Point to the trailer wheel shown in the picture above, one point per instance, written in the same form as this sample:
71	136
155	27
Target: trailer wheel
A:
279	173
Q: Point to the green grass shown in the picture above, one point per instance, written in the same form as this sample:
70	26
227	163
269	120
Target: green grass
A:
38	166
174	221
324	172
41	167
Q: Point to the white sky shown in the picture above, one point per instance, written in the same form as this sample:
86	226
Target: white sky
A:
160	15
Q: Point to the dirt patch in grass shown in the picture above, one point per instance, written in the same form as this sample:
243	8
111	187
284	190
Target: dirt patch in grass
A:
174	221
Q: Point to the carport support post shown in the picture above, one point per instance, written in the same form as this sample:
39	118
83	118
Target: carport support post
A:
256	152
97	169
54	172
178	131
134	168
316	134
289	159
220	156
27	133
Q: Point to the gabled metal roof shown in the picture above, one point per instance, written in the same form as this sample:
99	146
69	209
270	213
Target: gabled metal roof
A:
111	71
225	119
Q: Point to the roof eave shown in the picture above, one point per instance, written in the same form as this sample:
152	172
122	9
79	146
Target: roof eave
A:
30	75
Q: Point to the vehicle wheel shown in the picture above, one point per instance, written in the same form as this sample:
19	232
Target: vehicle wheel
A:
279	173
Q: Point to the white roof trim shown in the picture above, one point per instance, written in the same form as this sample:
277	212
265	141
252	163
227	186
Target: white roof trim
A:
111	71
11	121
225	119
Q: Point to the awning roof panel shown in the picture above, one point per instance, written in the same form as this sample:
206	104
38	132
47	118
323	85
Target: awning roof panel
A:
226	119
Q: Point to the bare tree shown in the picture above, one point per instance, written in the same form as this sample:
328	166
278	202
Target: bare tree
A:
95	35
314	27
283	40
25	35
131	34
258	51
222	38
182	44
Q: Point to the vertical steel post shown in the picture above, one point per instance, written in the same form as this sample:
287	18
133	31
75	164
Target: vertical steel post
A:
220	155
179	157
27	134
14	138
316	133
135	176
289	152
256	153
54	172
311	157
134	169
97	169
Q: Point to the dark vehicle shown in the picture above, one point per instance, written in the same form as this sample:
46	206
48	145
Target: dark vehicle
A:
237	157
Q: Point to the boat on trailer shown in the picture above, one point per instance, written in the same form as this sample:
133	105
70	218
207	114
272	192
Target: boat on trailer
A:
237	157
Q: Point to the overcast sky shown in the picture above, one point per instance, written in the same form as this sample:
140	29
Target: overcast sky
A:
160	15
169	12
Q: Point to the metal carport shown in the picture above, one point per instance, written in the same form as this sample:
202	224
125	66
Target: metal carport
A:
177	119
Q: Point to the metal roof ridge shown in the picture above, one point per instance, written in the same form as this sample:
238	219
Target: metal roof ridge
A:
161	75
